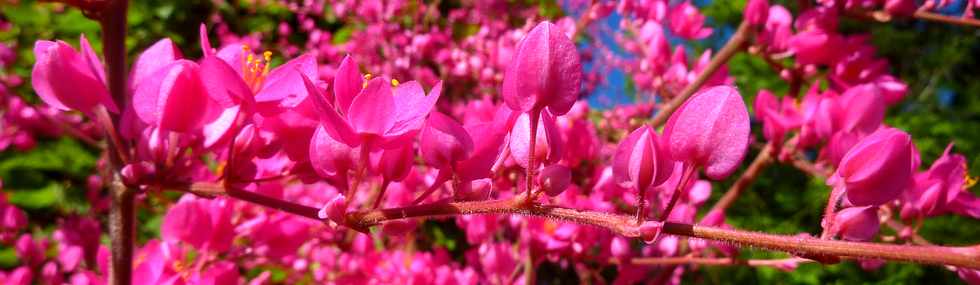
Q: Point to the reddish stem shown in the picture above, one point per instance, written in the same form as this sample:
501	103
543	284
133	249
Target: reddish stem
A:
622	224
121	213
533	117
717	261
883	16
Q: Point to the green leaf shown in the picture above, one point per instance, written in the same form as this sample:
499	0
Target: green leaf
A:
45	197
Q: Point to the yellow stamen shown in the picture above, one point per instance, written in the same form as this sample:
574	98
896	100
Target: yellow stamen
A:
255	68
367	77
394	82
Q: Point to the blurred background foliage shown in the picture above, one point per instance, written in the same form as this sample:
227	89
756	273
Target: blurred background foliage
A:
939	62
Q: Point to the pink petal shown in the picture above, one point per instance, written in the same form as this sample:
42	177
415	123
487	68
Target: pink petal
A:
159	55
223	84
548	142
621	159
444	142
372	112
545	72
173	98
332	122
64	79
413	105
857	223
488	145
347	83
328	155
284	83
711	130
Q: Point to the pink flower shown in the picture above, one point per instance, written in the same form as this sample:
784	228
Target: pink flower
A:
70	80
187	221
444	142
810	46
877	169
857	223
173	98
687	22
641	160
28	251
777	119
548	146
545	72
554	179
942	189
711	129
901	7
370	114
861	109
778	29
468	152
757	11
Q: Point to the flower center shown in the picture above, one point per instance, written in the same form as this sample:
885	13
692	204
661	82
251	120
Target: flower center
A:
254	68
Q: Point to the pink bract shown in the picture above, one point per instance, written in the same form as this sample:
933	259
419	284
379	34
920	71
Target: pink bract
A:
545	72
710	130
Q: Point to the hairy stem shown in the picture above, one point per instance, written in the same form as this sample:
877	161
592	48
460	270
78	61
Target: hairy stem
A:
734	44
623	225
716	261
883	16
122	231
121	215
533	117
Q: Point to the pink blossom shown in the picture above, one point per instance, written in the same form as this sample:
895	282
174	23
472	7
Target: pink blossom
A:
548	146
857	223
757	11
68	80
877	169
687	22
545	72
711	129
641	160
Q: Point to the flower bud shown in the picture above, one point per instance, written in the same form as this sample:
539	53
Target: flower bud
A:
877	169
641	161
544	72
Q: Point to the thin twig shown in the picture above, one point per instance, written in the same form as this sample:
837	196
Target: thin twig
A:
623	225
121	214
883	16
718	261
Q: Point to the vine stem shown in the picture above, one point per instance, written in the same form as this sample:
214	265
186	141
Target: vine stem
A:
622	225
717	261
122	220
734	44
883	16
966	257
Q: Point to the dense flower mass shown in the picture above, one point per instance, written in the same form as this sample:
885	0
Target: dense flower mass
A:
455	144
